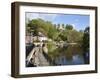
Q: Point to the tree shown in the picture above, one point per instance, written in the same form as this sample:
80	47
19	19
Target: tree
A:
52	33
63	36
86	45
63	25
58	25
38	25
72	36
69	27
45	27
86	39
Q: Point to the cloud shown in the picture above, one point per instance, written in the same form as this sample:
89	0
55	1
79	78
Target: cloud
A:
44	16
32	15
48	17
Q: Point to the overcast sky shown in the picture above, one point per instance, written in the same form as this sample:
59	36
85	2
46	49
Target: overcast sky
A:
79	22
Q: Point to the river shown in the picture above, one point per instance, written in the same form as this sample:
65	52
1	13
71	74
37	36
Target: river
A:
70	55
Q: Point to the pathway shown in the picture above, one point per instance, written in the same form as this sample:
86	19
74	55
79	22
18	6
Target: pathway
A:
39	58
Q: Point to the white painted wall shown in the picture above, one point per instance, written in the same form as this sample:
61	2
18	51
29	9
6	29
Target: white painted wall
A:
5	40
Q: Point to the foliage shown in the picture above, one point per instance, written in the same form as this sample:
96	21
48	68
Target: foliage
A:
45	27
63	36
72	36
52	50
38	25
86	39
69	27
49	30
52	32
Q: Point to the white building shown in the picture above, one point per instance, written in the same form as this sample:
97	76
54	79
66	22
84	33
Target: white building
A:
40	37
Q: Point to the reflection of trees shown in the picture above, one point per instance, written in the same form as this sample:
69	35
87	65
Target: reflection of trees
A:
67	51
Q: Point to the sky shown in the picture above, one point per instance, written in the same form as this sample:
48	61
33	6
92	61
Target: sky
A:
79	22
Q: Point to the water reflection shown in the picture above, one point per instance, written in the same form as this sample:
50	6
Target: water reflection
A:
66	55
70	55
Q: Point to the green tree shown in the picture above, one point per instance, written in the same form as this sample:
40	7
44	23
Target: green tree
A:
63	25
45	27
63	36
73	35
69	27
58	25
86	39
52	33
38	25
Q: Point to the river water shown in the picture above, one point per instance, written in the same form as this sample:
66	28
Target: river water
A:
70	55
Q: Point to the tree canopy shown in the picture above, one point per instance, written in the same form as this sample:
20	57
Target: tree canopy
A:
86	39
51	31
69	27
